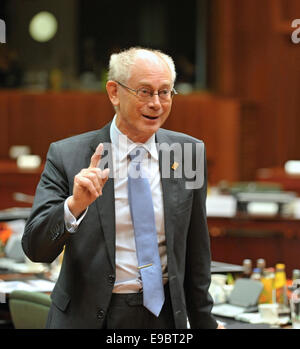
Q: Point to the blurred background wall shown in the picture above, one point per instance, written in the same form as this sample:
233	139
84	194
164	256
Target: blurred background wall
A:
238	74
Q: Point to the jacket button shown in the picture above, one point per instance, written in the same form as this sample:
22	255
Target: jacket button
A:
100	314
55	235
111	279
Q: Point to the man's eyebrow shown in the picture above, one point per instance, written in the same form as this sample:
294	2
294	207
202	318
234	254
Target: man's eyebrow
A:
147	84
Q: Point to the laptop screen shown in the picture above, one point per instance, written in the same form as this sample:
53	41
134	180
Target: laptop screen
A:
245	293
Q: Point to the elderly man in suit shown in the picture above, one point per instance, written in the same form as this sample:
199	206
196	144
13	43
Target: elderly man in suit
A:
95	211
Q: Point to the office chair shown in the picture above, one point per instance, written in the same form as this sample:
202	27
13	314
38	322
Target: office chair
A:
29	310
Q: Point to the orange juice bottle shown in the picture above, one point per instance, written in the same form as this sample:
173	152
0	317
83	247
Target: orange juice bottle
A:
267	279
280	285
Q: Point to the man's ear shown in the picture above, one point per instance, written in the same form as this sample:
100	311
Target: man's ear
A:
112	91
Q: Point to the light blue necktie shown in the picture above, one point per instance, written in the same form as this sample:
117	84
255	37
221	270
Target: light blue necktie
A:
142	213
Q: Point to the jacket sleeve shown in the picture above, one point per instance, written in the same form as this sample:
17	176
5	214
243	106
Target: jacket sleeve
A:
45	234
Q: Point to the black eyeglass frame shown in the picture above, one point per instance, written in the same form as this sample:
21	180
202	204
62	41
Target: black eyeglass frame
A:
172	92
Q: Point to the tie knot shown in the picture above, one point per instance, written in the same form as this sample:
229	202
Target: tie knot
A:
137	154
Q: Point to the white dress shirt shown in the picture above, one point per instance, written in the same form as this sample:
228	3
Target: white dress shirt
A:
127	275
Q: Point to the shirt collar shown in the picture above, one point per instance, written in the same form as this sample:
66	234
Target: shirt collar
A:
124	145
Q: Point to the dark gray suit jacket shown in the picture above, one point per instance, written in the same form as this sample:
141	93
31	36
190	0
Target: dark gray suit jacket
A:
83	290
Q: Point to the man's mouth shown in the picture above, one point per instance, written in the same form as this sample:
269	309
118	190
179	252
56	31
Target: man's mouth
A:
150	117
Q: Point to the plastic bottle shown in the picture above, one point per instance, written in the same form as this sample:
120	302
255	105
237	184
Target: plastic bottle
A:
261	264
290	283
268	294
296	274
295	304
280	285
256	275
247	268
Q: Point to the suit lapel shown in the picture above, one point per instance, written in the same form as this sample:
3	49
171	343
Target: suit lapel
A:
169	187
106	202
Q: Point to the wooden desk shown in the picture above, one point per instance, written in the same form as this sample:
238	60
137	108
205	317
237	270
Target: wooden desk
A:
13	180
276	239
226	125
278	175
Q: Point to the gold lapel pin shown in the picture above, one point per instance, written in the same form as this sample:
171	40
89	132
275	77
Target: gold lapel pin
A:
175	165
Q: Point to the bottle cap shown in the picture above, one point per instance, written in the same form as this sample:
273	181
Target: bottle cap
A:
260	261
247	261
280	266
296	274
270	270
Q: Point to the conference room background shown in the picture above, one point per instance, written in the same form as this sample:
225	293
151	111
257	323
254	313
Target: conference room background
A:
238	49
238	79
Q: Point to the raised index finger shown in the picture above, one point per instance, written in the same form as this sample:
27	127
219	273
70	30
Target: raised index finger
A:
96	157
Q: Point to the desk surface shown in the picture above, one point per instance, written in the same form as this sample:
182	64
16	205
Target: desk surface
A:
14	213
220	267
229	323
234	324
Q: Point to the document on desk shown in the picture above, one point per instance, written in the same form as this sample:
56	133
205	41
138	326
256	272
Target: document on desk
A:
36	285
243	299
221	206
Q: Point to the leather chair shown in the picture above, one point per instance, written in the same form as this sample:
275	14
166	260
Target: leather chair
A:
29	310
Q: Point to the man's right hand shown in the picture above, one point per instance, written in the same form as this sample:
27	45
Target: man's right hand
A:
88	184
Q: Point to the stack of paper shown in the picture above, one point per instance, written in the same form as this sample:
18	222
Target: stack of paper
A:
37	285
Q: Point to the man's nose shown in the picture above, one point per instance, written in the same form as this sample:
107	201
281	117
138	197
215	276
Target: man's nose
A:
154	102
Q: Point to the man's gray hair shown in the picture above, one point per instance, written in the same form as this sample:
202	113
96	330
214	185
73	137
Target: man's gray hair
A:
120	63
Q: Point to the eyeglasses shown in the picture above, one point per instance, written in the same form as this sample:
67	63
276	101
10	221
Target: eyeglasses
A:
145	94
